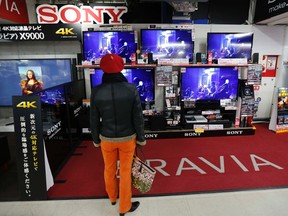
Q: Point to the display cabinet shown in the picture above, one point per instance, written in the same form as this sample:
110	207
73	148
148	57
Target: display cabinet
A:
173	111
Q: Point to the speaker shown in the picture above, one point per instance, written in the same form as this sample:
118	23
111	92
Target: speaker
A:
247	91
150	58
198	57
255	58
157	123
79	58
74	69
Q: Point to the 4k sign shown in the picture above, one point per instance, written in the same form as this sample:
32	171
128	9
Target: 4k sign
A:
14	11
27	104
65	31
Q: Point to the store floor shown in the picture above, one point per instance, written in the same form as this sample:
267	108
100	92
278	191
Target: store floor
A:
268	202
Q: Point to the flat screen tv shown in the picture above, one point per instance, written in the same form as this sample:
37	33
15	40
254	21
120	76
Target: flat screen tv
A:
143	78
167	43
209	83
47	72
99	43
54	95
230	45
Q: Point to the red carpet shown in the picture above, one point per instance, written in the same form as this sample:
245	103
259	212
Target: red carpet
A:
188	165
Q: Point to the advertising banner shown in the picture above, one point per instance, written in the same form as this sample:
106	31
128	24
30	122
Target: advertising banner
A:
270	8
14	11
269	65
263	98
72	14
254	76
30	148
40	32
279	117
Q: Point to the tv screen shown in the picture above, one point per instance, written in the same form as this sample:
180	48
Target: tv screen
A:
143	78
16	73
167	43
209	83
230	45
99	43
54	95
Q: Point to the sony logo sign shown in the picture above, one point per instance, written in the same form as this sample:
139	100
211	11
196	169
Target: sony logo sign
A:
234	132
71	14
54	129
192	134
151	135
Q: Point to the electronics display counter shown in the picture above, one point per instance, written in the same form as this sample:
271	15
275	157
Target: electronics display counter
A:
185	133
184	111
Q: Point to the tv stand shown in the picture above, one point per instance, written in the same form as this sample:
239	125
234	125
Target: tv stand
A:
208	116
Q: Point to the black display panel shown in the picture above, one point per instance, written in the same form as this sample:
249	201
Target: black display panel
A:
167	43
209	83
143	78
230	45
60	111
96	44
47	72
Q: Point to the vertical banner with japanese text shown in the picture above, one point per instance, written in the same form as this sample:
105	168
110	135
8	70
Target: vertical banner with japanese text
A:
30	149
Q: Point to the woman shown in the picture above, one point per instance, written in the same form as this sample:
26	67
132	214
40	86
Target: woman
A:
117	124
31	84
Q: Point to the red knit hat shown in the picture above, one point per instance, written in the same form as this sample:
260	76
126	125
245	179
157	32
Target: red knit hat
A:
111	63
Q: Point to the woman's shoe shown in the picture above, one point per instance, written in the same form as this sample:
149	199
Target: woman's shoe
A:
113	203
134	206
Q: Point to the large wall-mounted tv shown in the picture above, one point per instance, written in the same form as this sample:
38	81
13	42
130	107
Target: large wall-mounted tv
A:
143	78
47	72
96	44
167	43
209	83
230	45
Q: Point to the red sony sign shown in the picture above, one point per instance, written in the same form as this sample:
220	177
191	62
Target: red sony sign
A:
14	11
71	14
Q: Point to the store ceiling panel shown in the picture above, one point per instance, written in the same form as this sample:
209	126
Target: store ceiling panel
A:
281	19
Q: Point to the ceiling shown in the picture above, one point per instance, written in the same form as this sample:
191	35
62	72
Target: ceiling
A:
281	19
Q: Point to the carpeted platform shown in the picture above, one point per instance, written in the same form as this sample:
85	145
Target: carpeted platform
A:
188	165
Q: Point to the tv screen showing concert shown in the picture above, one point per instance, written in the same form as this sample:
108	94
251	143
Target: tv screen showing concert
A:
230	45
96	44
167	43
54	95
28	76
143	78
209	83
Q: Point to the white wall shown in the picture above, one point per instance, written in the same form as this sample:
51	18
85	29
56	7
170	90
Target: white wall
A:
269	40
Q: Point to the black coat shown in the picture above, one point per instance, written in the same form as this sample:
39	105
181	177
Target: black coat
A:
116	111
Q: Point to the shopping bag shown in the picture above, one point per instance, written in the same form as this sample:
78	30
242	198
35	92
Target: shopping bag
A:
142	175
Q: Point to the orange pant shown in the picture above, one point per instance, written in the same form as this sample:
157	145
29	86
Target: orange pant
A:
110	152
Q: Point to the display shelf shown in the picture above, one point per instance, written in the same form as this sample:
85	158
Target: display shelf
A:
176	65
186	133
126	65
171	123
